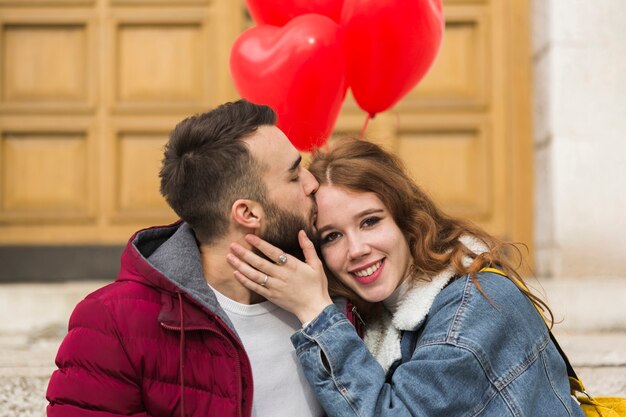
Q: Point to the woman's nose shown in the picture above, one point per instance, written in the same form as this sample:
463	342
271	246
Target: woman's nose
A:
357	248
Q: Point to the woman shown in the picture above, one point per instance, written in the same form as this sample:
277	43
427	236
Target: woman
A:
450	329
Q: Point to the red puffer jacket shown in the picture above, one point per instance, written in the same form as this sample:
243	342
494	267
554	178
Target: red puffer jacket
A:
150	344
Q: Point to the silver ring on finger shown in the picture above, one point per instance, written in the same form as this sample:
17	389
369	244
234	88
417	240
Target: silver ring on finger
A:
282	259
264	283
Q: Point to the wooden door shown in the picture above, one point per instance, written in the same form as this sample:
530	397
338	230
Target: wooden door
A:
89	90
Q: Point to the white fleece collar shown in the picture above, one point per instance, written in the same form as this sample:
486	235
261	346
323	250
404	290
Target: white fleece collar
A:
382	335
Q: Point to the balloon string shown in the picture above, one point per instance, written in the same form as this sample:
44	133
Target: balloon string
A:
367	119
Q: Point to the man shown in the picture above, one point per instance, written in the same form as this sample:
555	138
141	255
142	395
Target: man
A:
176	334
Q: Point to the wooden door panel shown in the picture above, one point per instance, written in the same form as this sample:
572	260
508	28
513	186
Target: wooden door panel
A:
459	77
162	61
133	190
34	181
47	169
453	165
47	61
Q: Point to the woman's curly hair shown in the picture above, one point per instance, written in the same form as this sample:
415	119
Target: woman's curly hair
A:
433	236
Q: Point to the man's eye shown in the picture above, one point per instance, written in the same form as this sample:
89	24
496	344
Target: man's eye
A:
296	178
370	221
330	237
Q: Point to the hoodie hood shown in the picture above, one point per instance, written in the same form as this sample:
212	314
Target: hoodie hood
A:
168	258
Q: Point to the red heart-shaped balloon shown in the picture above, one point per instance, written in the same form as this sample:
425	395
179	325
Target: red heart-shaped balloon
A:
298	70
390	45
279	12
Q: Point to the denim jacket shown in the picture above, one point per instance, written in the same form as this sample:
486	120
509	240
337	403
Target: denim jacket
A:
469	356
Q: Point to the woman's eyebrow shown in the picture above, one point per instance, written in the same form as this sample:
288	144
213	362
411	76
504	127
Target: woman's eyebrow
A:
360	214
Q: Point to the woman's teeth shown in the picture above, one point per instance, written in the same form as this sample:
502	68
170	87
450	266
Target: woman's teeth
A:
368	271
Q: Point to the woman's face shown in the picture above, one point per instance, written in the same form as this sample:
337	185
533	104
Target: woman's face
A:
361	242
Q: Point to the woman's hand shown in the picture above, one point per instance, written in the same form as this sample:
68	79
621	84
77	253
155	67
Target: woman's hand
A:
298	287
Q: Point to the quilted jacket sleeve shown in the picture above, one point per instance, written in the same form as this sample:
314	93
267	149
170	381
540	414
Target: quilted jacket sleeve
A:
95	376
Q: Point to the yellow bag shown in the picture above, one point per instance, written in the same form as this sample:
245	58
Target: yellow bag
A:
592	406
597	406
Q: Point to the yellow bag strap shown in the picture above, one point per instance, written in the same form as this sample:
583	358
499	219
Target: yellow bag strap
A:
494	271
576	385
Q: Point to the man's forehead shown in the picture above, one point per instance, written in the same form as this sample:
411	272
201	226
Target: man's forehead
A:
270	147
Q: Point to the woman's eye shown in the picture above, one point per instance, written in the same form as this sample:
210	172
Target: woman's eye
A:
330	237
295	179
370	221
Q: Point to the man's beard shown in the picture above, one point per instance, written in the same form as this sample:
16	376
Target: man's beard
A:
282	229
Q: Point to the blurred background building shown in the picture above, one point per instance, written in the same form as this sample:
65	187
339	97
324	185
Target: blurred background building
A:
90	90
520	126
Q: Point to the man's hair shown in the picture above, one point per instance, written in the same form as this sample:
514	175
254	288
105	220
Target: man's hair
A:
207	166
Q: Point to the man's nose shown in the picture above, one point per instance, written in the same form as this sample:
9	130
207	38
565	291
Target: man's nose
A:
309	182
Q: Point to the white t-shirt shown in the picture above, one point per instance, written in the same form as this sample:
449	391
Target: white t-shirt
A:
280	387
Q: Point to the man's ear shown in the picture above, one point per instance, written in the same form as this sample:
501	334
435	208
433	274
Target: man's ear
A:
247	213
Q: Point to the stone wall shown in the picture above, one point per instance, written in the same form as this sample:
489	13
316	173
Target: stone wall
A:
579	58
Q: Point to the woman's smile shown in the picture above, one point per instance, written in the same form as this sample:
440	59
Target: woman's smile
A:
369	274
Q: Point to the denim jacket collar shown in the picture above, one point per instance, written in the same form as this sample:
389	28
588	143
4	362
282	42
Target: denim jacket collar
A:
382	336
